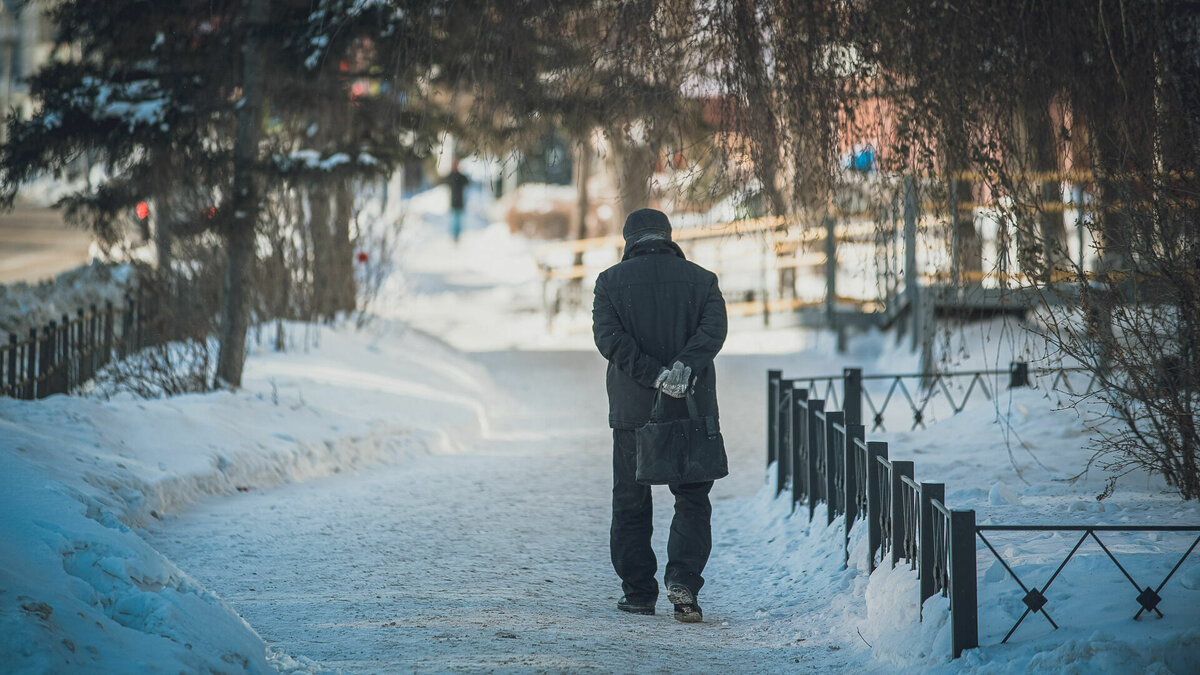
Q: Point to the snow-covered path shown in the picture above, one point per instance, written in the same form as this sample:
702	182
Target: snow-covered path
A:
464	525
495	559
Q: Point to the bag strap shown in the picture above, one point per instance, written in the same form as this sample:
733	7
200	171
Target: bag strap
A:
693	412
656	411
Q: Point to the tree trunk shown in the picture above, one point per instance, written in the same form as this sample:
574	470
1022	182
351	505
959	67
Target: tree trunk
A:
1115	197
583	172
283	299
244	204
320	214
966	244
341	266
635	167
969	255
162	236
1042	234
760	109
1123	132
1178	84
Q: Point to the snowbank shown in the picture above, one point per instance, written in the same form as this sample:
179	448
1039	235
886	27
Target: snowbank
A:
80	590
24	306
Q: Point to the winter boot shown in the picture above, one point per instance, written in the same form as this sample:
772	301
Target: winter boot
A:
636	606
686	608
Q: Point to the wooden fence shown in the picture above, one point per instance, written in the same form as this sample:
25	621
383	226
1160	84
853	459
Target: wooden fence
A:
66	353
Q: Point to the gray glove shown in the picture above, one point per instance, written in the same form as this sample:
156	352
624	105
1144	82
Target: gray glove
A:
675	384
662	377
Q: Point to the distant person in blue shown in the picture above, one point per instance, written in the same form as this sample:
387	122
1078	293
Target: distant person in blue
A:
458	199
862	159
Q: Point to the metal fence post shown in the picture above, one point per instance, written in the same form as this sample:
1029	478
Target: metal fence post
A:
854	432
900	468
772	414
852	395
1018	374
814	406
964	608
783	436
926	555
831	449
795	456
875	450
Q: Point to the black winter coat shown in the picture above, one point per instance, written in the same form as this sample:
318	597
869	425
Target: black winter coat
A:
651	309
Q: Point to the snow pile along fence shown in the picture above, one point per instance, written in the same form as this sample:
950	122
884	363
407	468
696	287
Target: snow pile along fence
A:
65	354
823	456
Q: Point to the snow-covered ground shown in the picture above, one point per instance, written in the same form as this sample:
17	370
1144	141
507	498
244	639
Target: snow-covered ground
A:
83	478
432	494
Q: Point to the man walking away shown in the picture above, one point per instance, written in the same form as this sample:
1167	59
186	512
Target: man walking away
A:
659	320
458	199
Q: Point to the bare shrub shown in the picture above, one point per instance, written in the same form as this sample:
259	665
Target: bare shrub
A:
171	350
1136	330
168	369
374	258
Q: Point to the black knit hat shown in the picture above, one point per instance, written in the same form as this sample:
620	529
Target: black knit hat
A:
646	221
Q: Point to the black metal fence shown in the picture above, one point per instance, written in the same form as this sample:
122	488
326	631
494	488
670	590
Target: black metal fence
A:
64	354
948	392
822	456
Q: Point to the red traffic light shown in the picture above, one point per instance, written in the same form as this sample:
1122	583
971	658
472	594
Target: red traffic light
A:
143	210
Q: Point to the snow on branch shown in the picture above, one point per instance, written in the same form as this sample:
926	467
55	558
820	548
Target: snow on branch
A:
136	103
312	160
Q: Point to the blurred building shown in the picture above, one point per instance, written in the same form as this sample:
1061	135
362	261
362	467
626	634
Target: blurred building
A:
26	41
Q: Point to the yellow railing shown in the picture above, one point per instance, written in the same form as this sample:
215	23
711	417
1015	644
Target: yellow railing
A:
845	233
1076	176
791	243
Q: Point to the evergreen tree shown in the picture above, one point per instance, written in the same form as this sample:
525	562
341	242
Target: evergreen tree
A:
251	105
172	99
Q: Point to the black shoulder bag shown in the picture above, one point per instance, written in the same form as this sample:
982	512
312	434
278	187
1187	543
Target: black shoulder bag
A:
687	450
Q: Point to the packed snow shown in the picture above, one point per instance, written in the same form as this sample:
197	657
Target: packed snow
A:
431	493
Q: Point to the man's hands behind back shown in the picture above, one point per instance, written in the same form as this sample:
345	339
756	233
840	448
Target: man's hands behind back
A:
674	382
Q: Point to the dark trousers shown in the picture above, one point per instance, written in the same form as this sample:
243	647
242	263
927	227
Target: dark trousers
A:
632	524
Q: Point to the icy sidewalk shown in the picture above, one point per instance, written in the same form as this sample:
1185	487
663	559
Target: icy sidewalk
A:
81	591
496	558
